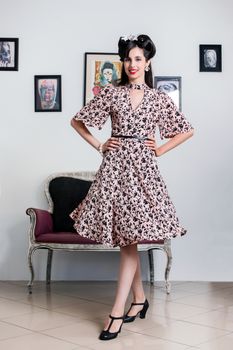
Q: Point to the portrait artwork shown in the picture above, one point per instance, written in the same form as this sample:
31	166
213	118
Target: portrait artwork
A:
101	69
8	54
170	85
210	57
47	93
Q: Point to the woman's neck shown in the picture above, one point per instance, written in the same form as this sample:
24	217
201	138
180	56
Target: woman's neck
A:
137	81
138	86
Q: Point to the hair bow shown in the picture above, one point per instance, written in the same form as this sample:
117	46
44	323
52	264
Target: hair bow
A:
130	37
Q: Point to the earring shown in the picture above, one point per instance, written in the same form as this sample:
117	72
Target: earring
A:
147	68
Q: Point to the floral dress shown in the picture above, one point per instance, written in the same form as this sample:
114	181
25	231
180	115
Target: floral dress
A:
128	200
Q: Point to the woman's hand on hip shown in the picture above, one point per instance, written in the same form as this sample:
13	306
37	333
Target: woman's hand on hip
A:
151	143
111	144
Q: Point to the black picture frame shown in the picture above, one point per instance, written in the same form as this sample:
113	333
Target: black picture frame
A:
50	86
9	54
210	58
94	78
172	85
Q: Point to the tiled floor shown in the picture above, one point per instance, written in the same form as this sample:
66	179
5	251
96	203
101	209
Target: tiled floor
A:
70	315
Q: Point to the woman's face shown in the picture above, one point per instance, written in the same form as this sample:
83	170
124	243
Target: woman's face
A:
210	58
135	64
107	73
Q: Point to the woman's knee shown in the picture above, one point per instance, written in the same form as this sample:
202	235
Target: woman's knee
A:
129	249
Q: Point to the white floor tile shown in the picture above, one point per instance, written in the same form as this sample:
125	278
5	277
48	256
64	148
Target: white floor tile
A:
10	331
10	308
49	300
222	343
85	310
185	333
138	342
206	301
39	321
175	310
36	342
83	333
70	315
217	319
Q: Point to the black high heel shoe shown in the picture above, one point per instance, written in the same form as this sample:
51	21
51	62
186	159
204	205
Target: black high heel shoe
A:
142	313
106	335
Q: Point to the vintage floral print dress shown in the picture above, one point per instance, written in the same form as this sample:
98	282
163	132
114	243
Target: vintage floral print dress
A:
128	200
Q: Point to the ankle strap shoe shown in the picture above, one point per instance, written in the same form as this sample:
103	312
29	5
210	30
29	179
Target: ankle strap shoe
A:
106	335
141	313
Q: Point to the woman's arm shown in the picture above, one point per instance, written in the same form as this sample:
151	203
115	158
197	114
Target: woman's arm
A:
172	143
80	127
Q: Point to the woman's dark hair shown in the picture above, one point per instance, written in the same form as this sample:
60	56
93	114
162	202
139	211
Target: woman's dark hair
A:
103	80
107	65
143	42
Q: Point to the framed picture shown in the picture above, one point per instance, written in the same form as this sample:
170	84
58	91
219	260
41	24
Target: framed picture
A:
9	51
210	57
170	85
100	69
48	93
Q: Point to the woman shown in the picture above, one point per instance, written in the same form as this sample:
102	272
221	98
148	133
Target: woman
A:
128	200
210	58
5	54
108	75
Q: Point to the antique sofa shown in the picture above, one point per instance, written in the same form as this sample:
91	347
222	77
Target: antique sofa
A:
52	229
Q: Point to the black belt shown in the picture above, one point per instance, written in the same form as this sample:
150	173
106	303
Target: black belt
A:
132	137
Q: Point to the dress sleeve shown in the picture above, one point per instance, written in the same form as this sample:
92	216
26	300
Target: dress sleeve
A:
170	120
96	112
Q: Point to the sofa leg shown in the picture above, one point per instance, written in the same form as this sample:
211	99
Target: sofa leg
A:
151	265
30	283
49	266
167	249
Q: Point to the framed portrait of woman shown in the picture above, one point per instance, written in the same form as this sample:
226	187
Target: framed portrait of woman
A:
170	85
9	51
210	58
100	70
47	93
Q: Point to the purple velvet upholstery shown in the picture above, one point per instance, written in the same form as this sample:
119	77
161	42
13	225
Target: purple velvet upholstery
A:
44	232
145	241
74	238
64	237
44	222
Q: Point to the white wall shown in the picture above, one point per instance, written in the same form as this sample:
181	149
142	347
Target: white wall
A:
53	36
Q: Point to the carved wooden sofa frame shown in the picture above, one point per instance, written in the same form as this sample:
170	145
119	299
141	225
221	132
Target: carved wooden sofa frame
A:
42	220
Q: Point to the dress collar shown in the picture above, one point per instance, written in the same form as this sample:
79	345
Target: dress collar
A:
137	86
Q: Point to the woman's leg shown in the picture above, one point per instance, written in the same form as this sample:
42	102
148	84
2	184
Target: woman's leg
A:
128	268
137	290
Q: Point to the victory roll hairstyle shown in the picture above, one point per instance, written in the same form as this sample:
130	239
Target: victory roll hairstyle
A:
126	43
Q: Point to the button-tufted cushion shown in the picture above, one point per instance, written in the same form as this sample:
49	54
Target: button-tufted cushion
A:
66	194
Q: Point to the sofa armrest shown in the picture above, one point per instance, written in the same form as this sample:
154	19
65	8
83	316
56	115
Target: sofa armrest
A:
41	222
